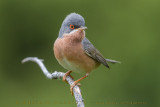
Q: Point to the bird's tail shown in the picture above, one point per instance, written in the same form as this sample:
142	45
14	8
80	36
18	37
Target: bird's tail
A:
112	61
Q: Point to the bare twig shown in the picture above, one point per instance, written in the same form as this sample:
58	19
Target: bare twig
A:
56	75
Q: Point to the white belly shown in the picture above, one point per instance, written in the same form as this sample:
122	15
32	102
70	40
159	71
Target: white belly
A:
71	66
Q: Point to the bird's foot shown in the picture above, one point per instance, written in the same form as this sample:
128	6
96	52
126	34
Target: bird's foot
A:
72	86
67	74
76	83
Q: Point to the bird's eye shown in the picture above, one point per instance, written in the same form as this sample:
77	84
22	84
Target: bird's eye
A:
71	26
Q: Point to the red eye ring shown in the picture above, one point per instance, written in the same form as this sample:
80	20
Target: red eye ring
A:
71	26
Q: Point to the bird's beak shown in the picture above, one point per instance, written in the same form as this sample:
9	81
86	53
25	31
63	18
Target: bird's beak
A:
83	27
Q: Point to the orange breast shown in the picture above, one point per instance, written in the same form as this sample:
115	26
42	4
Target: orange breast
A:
58	49
70	55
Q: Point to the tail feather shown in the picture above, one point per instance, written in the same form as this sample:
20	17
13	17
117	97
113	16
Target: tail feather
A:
112	61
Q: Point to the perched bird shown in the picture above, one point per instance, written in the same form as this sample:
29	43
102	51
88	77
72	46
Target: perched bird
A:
74	51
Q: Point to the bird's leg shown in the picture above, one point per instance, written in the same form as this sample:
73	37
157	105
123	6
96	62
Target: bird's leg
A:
76	83
67	74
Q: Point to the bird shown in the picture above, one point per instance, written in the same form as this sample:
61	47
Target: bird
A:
74	51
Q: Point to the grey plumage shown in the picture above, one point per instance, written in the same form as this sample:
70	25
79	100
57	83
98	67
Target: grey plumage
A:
112	61
74	19
91	51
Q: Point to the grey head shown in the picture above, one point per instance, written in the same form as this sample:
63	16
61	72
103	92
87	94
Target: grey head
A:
72	22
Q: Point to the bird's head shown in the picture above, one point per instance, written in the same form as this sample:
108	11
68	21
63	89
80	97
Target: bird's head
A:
72	23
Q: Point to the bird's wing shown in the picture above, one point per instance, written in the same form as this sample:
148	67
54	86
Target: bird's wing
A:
91	51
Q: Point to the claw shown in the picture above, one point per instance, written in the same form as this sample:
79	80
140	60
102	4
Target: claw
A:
67	74
76	83
71	88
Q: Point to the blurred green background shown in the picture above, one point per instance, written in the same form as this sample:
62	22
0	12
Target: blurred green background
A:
124	30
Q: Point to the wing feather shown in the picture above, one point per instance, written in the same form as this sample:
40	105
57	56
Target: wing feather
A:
91	51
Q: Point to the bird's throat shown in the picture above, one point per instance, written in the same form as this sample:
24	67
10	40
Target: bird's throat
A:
76	35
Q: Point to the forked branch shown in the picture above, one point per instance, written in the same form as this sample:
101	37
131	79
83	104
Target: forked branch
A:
58	75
